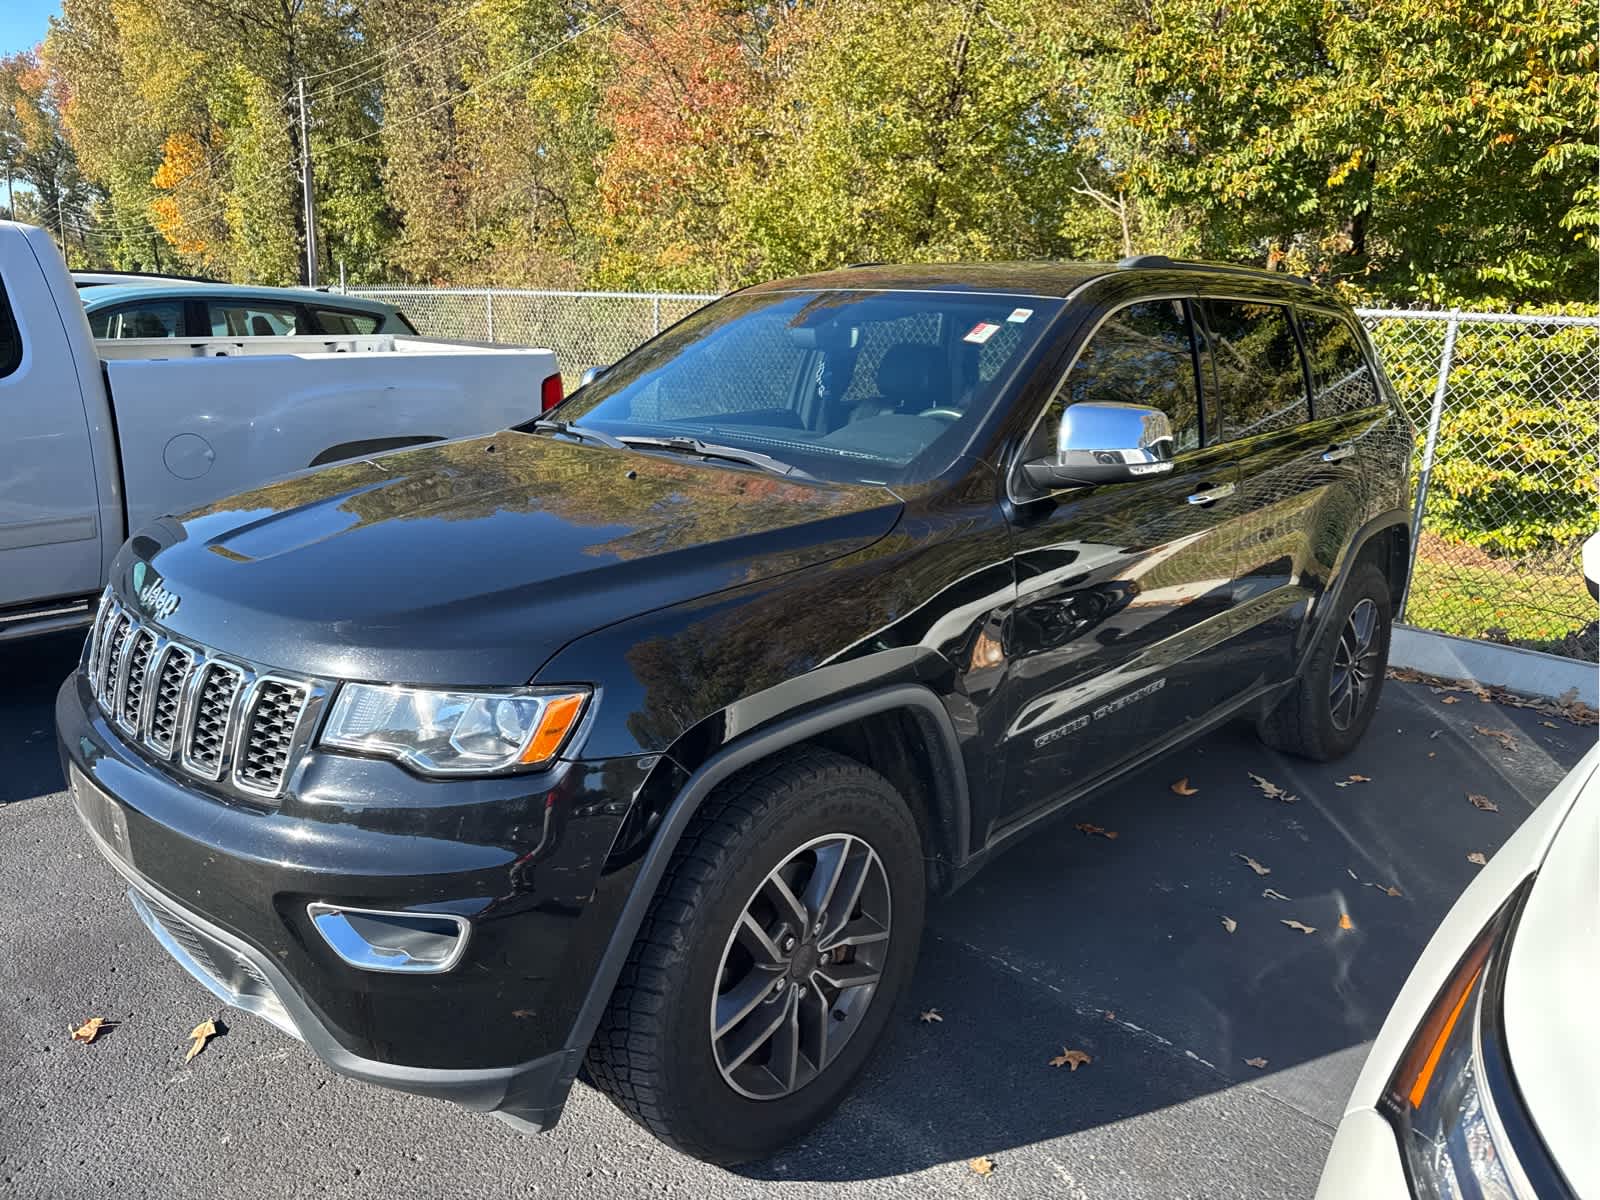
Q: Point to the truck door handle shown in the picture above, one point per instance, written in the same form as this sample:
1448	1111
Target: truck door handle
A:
1211	493
1336	452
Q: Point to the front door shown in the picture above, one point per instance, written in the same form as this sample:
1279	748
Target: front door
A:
1124	590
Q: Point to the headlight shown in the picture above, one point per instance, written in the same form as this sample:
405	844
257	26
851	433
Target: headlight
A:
454	733
1463	1133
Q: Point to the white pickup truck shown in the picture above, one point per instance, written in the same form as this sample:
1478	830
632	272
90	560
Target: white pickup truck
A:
97	438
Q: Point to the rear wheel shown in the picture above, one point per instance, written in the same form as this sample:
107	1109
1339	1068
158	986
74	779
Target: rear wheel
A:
770	961
1336	695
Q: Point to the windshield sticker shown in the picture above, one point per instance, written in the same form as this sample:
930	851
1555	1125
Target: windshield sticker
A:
981	332
1019	315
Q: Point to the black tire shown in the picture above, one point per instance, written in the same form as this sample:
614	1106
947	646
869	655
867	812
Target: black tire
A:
1309	721
653	1052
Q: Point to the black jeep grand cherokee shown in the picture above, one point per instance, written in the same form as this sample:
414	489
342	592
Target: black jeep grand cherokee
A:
632	740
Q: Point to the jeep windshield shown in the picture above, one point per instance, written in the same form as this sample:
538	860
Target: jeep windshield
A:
884	387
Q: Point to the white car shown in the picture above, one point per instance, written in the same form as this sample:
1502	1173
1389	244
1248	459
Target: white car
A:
1485	1080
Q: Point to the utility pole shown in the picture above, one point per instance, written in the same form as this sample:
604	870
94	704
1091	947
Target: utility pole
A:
305	180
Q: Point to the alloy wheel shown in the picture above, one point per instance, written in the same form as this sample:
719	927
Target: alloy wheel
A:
1355	665
801	967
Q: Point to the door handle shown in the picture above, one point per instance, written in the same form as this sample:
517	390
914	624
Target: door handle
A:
1211	494
1340	451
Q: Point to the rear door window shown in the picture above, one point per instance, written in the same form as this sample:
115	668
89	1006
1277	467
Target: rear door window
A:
1261	381
248	318
1140	354
147	319
344	321
1341	378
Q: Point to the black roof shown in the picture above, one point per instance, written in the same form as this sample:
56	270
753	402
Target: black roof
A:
1057	279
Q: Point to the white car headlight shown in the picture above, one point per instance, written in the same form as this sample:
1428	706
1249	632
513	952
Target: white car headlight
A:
455	732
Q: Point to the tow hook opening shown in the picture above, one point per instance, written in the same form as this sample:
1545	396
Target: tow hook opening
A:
404	942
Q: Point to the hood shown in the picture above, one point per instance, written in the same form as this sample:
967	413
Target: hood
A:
1552	980
472	562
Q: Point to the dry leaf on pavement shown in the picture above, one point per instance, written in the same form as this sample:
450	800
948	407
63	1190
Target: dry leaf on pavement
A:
1298	925
1273	894
1070	1058
1345	922
982	1165
1253	864
1391	890
1095	830
1482	802
1549	724
1477	856
1257	1063
199	1036
1449	700
1270	789
1500	735
90	1029
1229	924
928	1016
1182	788
1352	779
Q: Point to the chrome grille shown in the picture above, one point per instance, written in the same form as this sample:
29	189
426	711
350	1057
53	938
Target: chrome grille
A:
270	720
207	735
225	722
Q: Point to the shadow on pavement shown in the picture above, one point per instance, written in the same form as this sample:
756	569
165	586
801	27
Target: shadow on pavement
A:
32	671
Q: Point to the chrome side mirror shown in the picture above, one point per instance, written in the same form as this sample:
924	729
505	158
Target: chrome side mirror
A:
590	376
1104	442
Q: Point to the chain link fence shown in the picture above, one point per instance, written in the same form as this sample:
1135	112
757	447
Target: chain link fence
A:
1507	412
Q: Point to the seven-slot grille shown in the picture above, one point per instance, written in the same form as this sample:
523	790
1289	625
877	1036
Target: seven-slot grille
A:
219	720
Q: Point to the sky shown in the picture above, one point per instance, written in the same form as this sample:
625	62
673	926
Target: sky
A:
23	23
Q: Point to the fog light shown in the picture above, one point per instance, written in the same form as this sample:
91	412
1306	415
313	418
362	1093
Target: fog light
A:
406	942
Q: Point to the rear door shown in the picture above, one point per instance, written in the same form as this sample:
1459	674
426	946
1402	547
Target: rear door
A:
1124	590
1281	532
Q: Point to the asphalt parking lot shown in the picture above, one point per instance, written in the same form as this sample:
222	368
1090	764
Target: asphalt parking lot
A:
1115	947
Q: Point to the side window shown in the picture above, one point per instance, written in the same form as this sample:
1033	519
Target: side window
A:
149	319
1140	355
339	320
1257	362
1341	380
247	318
10	339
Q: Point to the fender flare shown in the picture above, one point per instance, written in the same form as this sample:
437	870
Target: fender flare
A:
725	762
1328	600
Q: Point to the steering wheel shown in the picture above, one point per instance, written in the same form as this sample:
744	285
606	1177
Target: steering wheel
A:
948	414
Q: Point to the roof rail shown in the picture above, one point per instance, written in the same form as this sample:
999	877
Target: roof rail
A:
1163	262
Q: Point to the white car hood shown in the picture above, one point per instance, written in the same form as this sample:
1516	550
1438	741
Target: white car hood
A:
1552	995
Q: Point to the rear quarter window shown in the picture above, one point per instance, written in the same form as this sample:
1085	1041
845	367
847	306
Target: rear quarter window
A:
1341	377
1257	364
345	321
10	338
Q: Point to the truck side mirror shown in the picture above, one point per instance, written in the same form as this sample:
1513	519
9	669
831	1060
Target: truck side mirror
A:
1104	442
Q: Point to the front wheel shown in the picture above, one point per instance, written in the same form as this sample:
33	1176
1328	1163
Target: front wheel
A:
1336	695
770	961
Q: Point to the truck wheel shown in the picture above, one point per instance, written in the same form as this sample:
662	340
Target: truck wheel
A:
770	959
1333	700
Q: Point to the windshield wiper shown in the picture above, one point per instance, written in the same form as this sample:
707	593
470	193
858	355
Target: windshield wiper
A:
689	445
577	431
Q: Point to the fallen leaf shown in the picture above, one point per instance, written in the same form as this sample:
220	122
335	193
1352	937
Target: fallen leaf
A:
1095	830
1270	789
1229	924
1298	925
1274	894
1258	1063
982	1165
1449	700
929	1016
1506	740
1387	891
1477	857
1483	802
90	1029
1110	1016
1433	754
1345	922
522	1014
1568	698
1070	1058
199	1036
1549	724
1253	864
1182	788
1352	874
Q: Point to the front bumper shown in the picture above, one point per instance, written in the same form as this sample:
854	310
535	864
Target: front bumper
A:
224	887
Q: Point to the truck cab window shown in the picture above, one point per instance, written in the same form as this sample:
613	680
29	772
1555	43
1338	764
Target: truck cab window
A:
343	321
